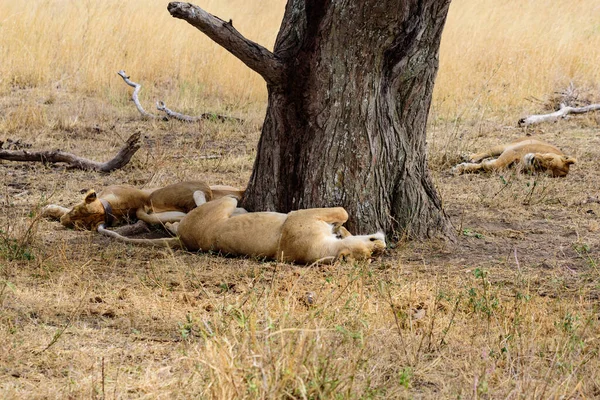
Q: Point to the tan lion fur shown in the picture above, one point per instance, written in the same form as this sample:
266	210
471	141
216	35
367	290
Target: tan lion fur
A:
303	236
158	206
528	154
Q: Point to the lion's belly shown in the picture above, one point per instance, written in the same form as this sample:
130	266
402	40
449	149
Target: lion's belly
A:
534	146
253	234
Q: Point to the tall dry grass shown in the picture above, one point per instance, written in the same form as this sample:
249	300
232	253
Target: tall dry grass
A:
80	45
497	54
494	54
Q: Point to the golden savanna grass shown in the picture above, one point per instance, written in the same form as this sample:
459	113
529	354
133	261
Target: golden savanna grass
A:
495	55
80	45
510	310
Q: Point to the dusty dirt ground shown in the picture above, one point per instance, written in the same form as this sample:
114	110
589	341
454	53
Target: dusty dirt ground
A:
86	317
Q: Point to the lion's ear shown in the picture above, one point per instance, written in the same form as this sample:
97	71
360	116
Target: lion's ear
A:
90	196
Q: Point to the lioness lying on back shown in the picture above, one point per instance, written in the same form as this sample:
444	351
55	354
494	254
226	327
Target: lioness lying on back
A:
530	154
120	203
303	236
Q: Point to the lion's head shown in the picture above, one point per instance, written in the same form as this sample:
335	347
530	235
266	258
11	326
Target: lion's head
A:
557	165
85	215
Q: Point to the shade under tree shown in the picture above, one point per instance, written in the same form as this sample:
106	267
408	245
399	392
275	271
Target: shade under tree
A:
349	91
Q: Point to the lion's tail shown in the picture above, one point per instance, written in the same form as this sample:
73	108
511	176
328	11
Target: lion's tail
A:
173	243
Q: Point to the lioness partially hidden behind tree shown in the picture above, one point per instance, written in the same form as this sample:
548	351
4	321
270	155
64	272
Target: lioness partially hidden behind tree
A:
303	236
528	154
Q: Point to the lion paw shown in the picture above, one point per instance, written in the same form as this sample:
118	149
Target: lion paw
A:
458	169
54	211
172	227
466	157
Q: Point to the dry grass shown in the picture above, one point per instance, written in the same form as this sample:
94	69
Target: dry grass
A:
508	311
496	55
80	45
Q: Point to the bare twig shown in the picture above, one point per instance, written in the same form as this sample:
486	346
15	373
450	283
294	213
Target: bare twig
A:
161	106
517	260
137	87
57	156
560	114
255	56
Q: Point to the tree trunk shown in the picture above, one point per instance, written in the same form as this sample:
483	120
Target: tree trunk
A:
350	88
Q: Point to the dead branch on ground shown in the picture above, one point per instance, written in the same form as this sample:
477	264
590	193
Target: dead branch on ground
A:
74	162
160	105
137	87
560	114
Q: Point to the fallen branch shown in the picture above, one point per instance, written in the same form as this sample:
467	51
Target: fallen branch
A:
160	105
561	113
56	156
137	87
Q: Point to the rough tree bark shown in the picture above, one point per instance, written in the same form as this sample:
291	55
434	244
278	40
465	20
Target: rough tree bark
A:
349	90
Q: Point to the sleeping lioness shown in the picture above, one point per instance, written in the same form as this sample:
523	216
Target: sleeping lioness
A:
303	236
530	154
122	203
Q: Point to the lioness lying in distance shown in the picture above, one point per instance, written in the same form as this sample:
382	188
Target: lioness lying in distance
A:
528	154
303	236
123	203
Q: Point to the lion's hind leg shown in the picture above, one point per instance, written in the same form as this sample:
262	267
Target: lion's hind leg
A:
493	152
334	215
326	221
219	209
505	160
226	206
